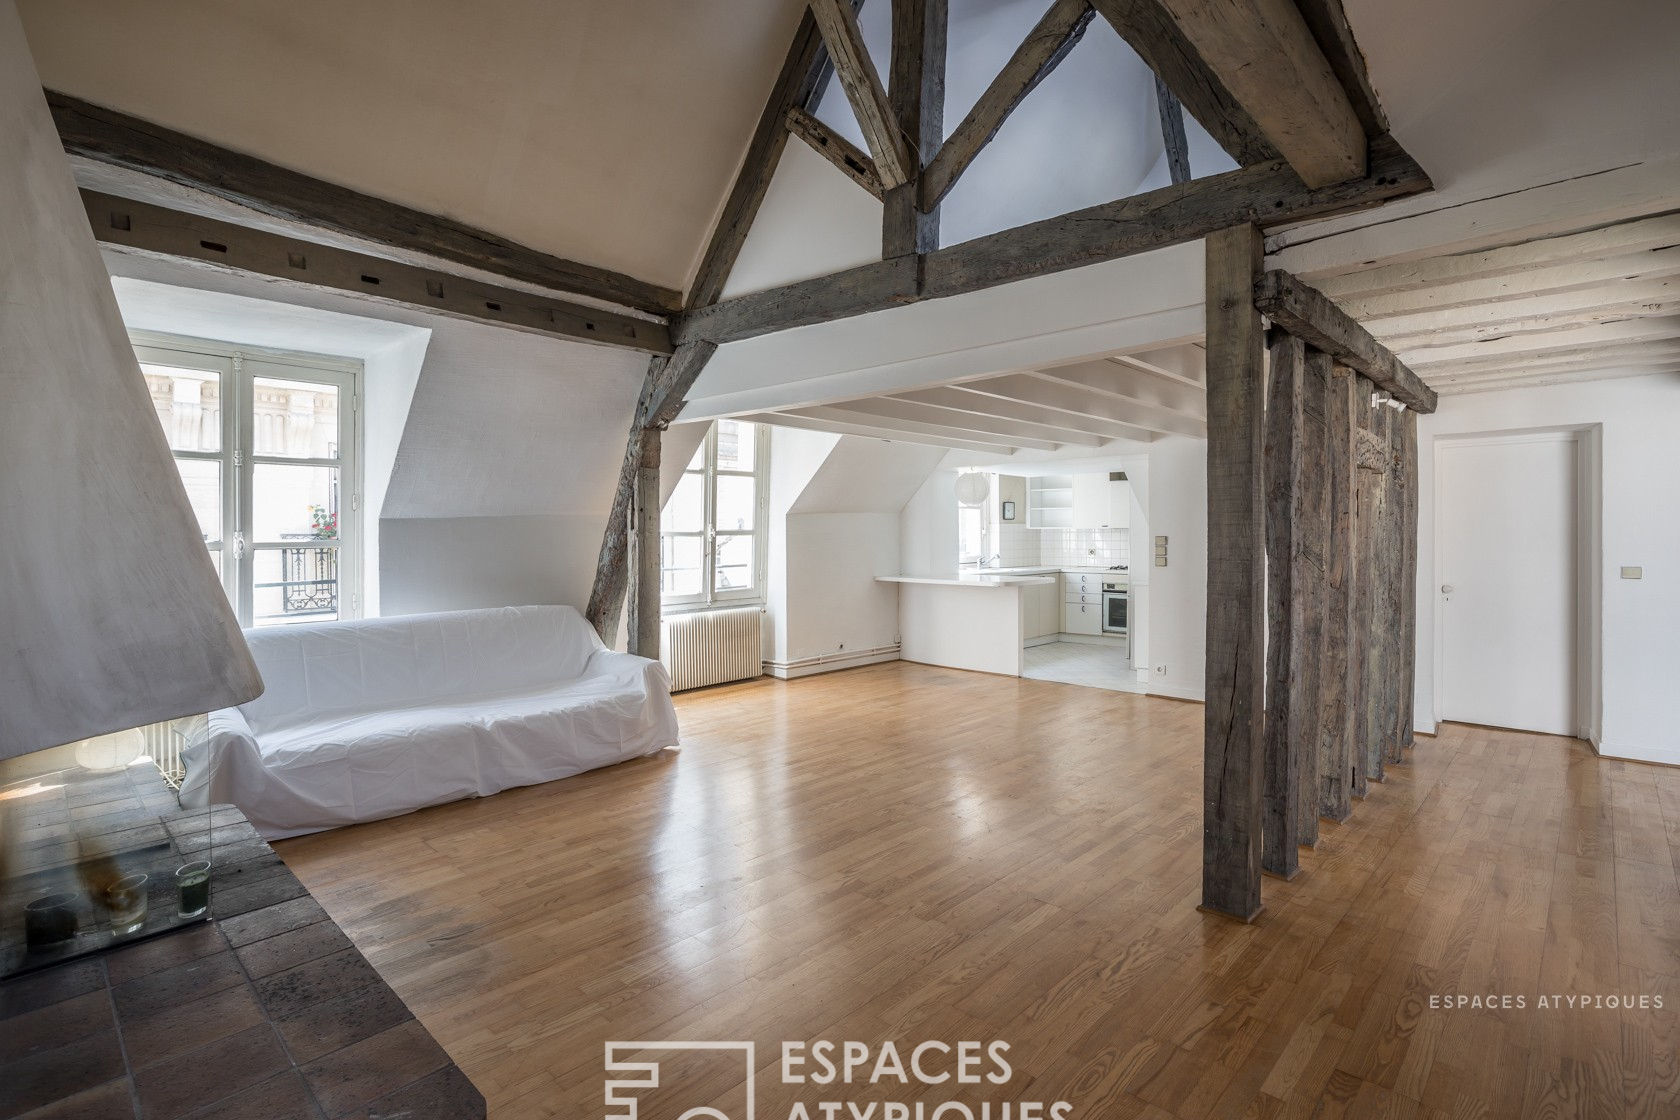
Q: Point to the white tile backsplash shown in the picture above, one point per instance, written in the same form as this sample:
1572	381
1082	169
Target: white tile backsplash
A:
1021	547
1078	548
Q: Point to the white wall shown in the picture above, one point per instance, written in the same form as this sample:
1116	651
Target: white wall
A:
928	526
454	563
1640	526
1177	594
837	608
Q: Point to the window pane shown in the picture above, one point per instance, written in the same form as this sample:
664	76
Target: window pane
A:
296	419
294	503
737	445
298	584
968	532
735	501
735	562
686	511
188	404
698	463
682	562
203	479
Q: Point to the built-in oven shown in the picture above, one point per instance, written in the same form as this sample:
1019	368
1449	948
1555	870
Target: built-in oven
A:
1114	608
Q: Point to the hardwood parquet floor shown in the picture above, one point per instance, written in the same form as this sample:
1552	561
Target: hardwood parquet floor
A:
901	853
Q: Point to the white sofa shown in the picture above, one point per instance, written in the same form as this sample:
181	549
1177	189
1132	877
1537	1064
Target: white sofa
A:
370	719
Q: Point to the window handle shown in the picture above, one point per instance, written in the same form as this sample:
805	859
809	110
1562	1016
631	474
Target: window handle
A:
239	546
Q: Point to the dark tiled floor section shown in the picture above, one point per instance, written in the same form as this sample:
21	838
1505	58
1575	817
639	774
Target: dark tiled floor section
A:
268	1013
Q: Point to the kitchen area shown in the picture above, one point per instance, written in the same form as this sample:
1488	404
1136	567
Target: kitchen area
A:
1044	585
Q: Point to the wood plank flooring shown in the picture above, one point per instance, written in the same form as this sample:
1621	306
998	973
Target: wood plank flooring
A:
900	853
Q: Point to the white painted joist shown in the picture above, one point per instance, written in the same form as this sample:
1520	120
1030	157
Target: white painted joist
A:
1081	401
1454	221
1619	294
915	412
1155	417
1614	241
1538	345
1534	326
834	427
1552	278
1138	362
1592	357
962	399
1132	383
1537	380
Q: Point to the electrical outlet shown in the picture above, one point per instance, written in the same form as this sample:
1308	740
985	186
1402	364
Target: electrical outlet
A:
1161	670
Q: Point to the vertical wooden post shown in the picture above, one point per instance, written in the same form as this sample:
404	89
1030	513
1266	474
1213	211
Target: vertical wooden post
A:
1283	451
643	623
1408	578
1364	556
1397	656
1233	756
1336	735
916	90
1311	586
1373	539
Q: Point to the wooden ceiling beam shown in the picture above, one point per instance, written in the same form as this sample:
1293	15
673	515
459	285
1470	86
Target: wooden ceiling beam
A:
1264	53
1269	193
852	161
1310	316
1151	32
1043	49
1329	26
108	137
1173	138
916	92
837	20
139	227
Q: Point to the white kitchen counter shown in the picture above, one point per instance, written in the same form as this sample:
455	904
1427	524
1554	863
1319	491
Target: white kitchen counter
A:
990	579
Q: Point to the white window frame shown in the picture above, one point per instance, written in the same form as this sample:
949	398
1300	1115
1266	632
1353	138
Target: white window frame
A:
710	595
238	367
984	511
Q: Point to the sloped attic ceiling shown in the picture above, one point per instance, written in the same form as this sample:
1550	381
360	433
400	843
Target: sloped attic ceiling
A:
597	130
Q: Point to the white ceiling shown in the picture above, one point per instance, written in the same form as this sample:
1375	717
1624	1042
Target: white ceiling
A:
601	131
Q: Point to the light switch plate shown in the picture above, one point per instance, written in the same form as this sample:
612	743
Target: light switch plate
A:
1633	573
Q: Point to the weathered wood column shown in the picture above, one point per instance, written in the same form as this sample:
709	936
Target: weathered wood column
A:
1375	550
916	91
1311	585
1233	756
1395	654
1364	579
1285	745
1340	671
645	565
1408	578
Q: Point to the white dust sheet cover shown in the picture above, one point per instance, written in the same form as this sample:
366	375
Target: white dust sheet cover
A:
369	719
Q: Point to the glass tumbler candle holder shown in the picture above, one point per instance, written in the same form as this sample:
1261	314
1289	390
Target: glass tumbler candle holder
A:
192	882
126	903
49	920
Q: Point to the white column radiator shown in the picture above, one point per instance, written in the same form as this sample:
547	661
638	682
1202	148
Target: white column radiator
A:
711	647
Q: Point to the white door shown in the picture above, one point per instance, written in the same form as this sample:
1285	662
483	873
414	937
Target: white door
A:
1506	533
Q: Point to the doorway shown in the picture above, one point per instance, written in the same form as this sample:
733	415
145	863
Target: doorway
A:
1509	560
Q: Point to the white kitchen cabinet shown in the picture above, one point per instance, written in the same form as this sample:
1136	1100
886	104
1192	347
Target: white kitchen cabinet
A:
1119	506
1082	618
1101	504
1090	500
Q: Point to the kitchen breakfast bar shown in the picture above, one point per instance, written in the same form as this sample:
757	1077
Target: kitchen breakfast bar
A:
969	622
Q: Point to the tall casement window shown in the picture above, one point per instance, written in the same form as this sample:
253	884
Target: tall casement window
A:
266	444
712	529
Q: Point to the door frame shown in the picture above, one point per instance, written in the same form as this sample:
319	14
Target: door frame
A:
1589	560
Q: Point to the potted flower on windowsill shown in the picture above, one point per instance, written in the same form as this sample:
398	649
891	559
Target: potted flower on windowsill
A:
324	522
